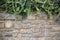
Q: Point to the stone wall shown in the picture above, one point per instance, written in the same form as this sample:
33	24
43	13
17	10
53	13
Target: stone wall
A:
32	28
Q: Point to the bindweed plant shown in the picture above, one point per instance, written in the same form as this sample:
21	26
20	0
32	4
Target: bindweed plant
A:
25	7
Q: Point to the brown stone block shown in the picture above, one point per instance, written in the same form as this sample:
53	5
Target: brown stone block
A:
52	34
0	34
43	17
42	38
2	16
57	38
52	17
19	36
35	22
6	38
23	31
50	38
35	30
48	26
8	24
56	29
16	31
1	24
50	22
31	17
42	29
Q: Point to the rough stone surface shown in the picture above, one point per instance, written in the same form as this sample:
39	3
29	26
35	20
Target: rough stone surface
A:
29	29
8	24
1	25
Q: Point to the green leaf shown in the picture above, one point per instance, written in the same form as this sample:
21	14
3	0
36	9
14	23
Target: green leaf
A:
28	11
17	9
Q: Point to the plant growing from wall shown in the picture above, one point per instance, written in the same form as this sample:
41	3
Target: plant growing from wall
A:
24	7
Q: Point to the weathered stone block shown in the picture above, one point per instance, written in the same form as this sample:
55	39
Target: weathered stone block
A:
2	16
48	26
50	22
42	38
19	37
37	35
1	24
35	30
16	31
7	38
31	17
55	29
26	35
23	30
8	24
1	38
0	34
35	22
8	35
50	38
52	34
17	24
44	17
41	29
57	34
28	31
58	38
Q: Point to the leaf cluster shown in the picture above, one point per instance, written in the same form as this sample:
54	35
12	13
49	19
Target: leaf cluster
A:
24	7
